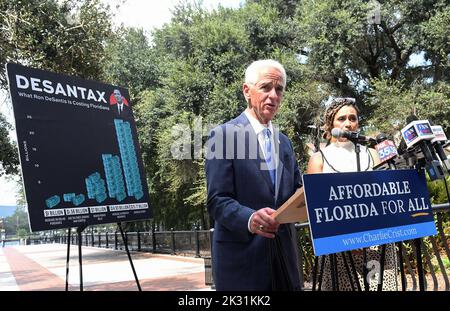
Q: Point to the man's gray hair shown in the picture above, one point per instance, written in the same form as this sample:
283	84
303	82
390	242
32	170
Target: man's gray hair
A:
253	70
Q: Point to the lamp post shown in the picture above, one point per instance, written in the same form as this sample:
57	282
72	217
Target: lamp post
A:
2	232
2	229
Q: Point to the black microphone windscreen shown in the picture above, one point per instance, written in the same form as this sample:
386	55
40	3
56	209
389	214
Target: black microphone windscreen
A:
411	118
381	137
402	147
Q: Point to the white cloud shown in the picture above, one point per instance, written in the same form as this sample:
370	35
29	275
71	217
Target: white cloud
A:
418	59
7	192
155	13
142	13
7	188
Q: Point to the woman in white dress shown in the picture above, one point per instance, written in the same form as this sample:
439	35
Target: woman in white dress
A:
337	157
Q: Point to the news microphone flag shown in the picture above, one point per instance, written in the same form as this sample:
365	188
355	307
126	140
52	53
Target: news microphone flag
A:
386	150
439	134
417	131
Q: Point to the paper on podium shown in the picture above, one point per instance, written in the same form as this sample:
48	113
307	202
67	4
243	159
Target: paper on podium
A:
293	210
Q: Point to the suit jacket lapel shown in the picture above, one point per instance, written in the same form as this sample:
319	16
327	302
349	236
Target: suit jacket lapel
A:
244	124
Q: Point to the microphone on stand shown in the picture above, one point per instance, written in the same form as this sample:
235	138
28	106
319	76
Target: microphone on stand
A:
353	136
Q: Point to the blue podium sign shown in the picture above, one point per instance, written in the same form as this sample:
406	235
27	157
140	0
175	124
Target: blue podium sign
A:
347	211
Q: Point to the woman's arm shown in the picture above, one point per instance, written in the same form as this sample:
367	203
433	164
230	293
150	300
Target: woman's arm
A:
315	164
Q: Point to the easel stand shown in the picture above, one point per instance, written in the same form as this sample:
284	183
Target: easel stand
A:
80	257
80	260
125	243
68	257
79	231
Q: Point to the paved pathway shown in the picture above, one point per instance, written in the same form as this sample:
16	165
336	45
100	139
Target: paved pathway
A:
43	268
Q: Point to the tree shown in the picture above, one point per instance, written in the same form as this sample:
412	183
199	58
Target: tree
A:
129	61
17	222
359	56
9	160
347	47
199	61
434	39
63	36
392	102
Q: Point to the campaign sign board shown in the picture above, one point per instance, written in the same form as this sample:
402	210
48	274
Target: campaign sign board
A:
347	211
79	152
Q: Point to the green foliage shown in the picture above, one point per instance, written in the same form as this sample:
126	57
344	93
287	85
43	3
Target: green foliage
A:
446	263
22	233
17	222
9	159
392	101
129	61
438	191
434	39
335	34
63	36
356	55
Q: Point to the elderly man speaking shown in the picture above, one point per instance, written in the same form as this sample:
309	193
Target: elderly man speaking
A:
250	171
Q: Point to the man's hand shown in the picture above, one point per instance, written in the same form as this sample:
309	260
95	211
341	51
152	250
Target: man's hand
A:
263	224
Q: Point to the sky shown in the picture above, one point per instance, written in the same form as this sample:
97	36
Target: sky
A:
148	14
7	188
8	192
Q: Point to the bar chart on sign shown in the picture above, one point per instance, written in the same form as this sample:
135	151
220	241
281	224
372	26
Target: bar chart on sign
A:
80	161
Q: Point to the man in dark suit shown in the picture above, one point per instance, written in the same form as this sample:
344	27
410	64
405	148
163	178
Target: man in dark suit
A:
251	170
119	105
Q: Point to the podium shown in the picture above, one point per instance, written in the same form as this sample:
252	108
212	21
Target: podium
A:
293	210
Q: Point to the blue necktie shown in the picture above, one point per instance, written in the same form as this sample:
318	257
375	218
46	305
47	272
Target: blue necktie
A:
270	161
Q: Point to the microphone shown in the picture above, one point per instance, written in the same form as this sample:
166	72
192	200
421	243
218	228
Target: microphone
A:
419	133
386	150
439	139
353	136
